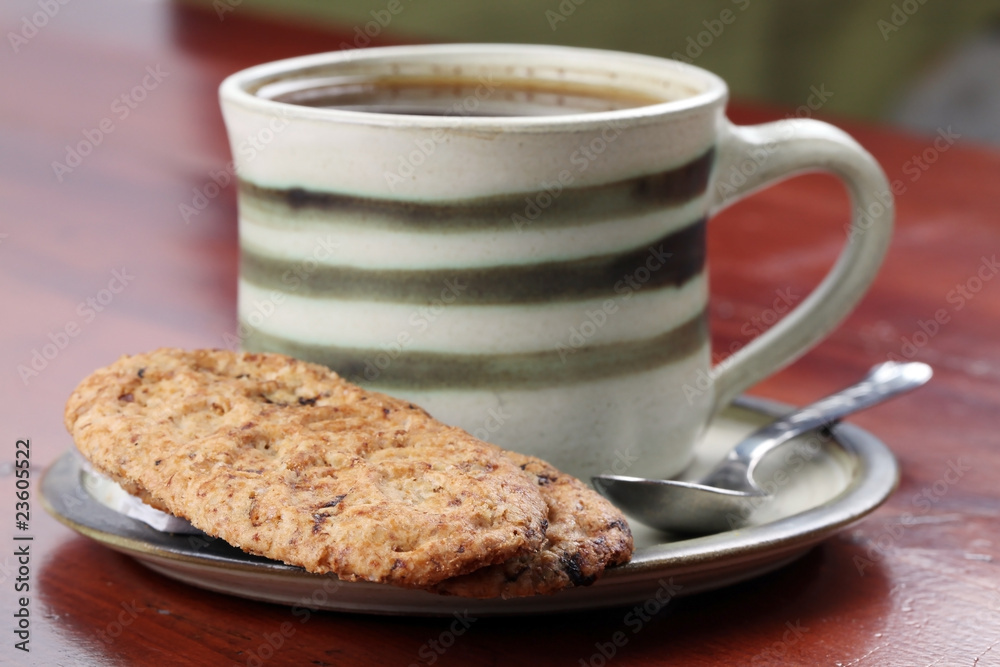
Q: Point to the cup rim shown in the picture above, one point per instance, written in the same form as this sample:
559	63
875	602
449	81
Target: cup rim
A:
236	88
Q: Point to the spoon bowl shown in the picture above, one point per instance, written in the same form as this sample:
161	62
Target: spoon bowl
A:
706	509
720	501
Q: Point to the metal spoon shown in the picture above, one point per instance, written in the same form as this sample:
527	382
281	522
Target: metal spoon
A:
718	501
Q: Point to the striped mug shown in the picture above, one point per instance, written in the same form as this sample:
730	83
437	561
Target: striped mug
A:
513	237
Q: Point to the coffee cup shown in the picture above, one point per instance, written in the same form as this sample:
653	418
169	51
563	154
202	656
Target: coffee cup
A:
513	237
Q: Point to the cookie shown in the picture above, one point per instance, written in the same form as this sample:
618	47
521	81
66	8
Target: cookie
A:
585	535
286	460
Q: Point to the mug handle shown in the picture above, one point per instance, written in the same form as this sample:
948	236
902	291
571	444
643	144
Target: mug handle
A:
774	151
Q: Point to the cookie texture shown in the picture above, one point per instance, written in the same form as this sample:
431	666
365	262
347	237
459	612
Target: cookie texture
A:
585	535
285	459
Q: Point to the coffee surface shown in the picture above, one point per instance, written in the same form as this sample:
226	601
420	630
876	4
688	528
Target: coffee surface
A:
454	96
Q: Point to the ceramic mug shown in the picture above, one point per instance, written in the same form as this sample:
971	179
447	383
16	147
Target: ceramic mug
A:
513	237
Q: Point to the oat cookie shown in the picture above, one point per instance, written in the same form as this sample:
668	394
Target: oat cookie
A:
585	535
285	459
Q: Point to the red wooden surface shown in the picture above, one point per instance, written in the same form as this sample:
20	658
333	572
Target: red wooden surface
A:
929	594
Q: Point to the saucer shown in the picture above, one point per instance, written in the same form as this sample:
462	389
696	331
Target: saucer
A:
821	481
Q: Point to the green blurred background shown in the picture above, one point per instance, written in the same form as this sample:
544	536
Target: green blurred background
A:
876	57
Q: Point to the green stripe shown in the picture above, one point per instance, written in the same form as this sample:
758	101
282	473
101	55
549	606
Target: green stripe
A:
562	365
555	204
669	261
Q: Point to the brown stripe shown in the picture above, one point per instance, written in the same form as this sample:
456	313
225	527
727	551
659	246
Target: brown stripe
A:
555	204
562	365
669	261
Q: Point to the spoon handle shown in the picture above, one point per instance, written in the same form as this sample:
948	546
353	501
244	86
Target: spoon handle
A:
882	382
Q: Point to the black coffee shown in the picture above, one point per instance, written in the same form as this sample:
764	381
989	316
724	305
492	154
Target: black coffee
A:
485	96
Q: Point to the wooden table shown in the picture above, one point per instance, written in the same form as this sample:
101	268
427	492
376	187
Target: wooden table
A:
96	260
